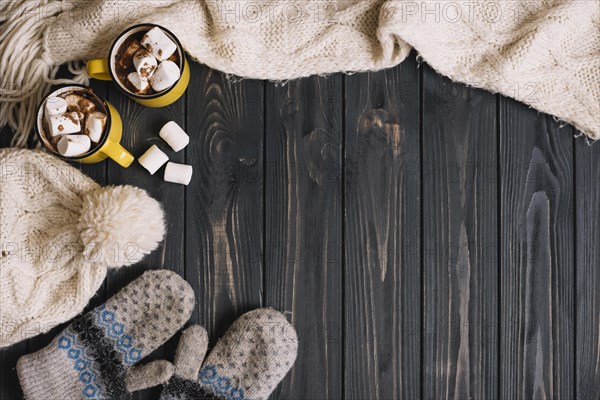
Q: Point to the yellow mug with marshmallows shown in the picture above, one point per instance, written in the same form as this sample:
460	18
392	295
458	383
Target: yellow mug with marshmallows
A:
107	146
112	68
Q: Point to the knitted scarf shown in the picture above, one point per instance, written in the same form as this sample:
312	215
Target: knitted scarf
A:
544	53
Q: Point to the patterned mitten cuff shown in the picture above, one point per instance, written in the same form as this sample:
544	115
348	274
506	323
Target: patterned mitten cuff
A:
247	363
93	357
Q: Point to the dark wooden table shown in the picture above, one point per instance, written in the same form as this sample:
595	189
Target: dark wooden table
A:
428	240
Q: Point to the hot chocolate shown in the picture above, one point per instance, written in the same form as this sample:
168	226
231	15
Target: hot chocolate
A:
73	123
148	62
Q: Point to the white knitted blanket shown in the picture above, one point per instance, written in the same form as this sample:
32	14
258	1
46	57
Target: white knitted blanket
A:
545	53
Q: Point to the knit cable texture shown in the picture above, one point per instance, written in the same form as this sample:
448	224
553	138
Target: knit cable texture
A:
59	233
544	53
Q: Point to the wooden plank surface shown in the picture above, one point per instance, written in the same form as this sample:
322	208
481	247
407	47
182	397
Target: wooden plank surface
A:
141	126
537	250
224	202
587	262
382	319
303	227
426	239
460	225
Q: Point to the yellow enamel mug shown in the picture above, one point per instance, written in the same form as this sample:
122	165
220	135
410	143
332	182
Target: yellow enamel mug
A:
109	144
104	69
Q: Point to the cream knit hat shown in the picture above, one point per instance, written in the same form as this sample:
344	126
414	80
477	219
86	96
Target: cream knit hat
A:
59	232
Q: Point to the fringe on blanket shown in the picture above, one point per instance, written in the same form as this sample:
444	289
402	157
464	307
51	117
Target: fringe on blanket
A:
27	71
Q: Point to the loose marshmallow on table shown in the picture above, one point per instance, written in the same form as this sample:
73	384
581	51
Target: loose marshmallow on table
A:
139	83
94	125
165	76
153	159
73	145
144	63
64	124
55	106
178	173
174	135
161	46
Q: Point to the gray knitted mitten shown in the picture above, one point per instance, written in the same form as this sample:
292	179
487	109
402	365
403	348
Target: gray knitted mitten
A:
93	357
247	363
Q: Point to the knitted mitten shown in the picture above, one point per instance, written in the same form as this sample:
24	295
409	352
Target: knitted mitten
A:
93	357
247	363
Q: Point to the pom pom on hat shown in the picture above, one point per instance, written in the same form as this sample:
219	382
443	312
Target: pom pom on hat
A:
67	231
119	225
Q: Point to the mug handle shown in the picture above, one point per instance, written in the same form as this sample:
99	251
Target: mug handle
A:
98	69
118	153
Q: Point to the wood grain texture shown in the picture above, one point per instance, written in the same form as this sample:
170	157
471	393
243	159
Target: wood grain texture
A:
587	256
460	263
303	222
140	130
460	225
9	382
382	321
537	271
224	206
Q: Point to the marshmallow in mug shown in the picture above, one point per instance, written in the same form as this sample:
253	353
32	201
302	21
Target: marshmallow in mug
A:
140	83
161	46
174	136
73	145
64	124
153	159
127	57
55	106
76	102
94	126
178	173
165	76
144	63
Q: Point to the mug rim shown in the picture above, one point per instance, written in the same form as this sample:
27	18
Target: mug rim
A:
116	79
105	134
